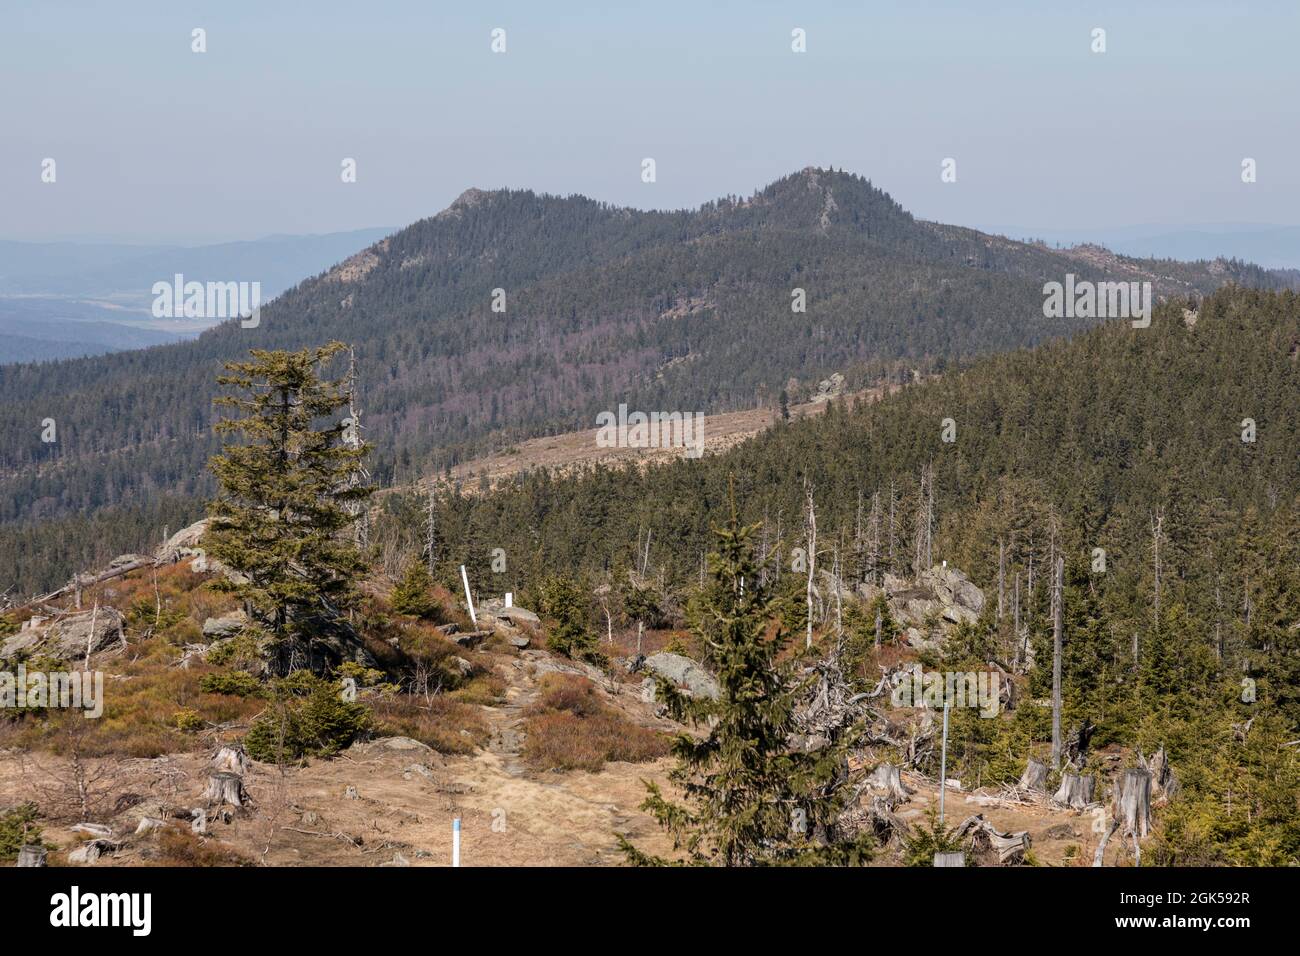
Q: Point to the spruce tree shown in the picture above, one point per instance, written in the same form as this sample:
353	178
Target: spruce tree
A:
412	594
750	797
281	511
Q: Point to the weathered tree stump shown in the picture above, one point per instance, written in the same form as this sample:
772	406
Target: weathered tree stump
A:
231	760
1035	776
226	788
887	781
952	858
1133	802
92	851
990	844
1163	781
1075	791
31	856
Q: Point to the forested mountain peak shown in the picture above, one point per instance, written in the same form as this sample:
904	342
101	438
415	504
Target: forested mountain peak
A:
513	314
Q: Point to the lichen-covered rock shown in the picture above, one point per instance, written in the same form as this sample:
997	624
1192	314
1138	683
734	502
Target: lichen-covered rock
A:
70	637
685	673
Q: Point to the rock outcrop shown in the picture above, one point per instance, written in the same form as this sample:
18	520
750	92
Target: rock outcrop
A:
683	672
69	637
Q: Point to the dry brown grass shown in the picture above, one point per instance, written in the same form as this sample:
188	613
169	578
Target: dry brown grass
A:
569	727
179	846
448	726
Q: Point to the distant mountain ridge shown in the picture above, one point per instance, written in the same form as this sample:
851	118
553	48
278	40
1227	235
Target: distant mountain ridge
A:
684	310
72	299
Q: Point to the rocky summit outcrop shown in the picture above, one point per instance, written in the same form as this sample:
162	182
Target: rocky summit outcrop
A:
66	637
940	598
183	544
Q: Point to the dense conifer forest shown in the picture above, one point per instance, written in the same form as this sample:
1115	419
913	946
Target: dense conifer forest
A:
688	310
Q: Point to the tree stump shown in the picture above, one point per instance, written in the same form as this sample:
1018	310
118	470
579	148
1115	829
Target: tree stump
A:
989	844
231	760
1035	776
1075	791
1133	802
887	780
199	824
226	788
953	858
1163	781
31	856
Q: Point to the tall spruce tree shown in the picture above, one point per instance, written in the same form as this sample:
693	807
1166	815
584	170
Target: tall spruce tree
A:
282	509
751	798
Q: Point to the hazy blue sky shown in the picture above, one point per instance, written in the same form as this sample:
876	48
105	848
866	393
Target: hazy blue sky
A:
153	141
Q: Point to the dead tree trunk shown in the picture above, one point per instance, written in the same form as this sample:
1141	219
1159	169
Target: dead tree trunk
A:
224	788
1056	662
1163	781
887	780
1105	840
952	858
31	856
231	760
1035	775
810	532
1075	791
1133	802
990	845
1002	577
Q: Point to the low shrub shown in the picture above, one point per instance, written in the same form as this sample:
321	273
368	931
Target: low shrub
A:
570	727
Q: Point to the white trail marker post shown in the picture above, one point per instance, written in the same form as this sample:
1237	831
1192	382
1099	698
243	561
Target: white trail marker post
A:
468	600
455	842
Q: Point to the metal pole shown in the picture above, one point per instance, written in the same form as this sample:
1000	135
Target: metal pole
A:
943	762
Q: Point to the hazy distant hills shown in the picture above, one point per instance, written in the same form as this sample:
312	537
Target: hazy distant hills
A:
69	299
35	329
686	310
1273	247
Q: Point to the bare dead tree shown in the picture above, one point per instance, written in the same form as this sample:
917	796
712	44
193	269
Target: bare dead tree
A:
892	525
430	526
359	474
1057	595
810	538
921	561
873	546
1157	533
839	604
1002	577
